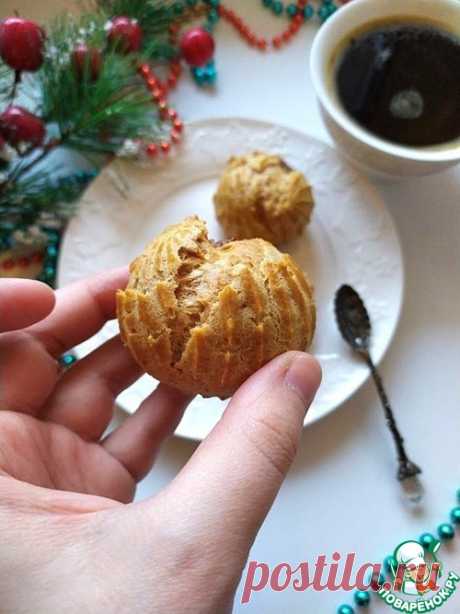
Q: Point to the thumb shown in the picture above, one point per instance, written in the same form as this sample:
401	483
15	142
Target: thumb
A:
227	488
23	302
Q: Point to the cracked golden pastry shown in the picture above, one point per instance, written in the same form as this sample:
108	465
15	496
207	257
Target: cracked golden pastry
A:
259	195
203	316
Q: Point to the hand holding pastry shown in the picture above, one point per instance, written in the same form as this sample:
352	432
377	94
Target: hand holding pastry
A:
66	517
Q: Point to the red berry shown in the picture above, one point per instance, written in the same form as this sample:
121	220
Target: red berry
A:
19	126
21	43
197	46
87	60
125	33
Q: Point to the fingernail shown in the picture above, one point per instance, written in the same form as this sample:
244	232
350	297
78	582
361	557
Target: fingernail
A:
304	377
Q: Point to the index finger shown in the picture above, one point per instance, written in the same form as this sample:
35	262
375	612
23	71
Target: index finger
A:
23	302
81	310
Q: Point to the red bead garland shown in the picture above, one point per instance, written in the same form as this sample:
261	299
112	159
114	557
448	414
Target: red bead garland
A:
159	90
23	262
260	42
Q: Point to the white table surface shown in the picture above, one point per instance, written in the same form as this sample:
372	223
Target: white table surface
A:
341	494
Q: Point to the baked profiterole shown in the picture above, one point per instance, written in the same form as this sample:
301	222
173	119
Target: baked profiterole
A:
203	317
259	195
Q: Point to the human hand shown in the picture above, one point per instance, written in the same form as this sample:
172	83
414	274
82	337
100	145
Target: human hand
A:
71	540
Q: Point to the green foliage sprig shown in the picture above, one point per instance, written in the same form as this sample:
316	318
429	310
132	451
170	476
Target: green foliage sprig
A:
91	116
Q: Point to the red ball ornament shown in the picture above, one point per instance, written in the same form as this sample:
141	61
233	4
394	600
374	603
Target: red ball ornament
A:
87	60
125	33
197	46
21	43
19	126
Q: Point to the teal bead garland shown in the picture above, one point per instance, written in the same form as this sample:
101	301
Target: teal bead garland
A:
362	598
324	11
48	273
455	515
327	9
308	12
427	540
446	531
277	7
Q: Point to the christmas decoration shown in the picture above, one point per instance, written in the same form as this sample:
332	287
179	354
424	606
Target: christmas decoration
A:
82	94
21	44
125	34
99	84
87	59
18	126
197	46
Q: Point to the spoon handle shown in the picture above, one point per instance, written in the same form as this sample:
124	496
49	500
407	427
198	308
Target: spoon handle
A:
407	468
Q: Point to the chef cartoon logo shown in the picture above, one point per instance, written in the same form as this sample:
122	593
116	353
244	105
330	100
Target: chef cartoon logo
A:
416	572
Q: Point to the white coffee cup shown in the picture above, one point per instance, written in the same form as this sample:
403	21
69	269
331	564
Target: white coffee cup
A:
366	150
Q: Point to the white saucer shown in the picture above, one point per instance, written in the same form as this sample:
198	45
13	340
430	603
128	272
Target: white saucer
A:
352	239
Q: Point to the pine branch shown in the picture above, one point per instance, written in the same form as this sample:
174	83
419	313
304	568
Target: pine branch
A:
6	83
154	16
94	115
26	202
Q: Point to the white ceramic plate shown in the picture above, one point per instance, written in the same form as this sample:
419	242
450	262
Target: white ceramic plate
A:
351	239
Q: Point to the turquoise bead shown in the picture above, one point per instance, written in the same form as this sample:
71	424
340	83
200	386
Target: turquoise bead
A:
277	7
48	274
455	515
291	10
205	75
446	531
308	12
213	16
51	251
67	359
427	540
213	3
458	495
362	598
345	609
268	3
390	563
53	236
323	12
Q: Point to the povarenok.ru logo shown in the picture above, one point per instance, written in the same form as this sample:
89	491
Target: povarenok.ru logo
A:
414	586
416	571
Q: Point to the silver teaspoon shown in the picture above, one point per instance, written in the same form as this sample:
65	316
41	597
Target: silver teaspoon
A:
355	327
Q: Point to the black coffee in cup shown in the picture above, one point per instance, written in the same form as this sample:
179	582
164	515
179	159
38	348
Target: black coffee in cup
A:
401	81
